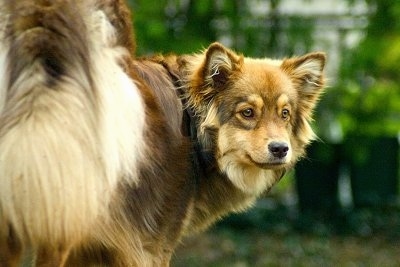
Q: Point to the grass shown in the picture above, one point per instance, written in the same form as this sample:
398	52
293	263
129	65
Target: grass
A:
225	247
275	234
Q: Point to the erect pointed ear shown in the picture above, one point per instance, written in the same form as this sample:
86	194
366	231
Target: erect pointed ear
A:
307	71
307	75
208	73
219	64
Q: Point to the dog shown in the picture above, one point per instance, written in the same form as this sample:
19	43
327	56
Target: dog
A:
252	122
110	160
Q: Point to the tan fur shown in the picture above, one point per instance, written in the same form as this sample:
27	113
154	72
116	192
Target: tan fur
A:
107	160
220	86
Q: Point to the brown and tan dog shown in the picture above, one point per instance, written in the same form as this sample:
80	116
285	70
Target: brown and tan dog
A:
252	115
102	164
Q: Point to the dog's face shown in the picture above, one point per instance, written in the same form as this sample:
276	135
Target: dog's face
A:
255	113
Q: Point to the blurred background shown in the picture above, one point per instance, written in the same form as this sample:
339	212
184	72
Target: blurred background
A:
340	206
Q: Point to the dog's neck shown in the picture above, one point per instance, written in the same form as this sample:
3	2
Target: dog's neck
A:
203	160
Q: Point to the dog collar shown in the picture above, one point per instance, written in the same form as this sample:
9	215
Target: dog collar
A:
202	160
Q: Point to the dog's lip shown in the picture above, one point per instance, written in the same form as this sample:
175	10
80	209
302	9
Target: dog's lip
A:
266	165
269	165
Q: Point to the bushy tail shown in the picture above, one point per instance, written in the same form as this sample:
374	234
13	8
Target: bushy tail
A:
61	92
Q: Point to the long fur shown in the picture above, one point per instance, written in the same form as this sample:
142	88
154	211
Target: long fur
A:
108	160
64	145
215	81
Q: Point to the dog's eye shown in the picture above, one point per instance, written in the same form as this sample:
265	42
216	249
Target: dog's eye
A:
285	114
248	113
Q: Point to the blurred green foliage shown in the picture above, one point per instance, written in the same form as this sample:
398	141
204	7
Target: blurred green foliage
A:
173	26
369	81
365	98
187	26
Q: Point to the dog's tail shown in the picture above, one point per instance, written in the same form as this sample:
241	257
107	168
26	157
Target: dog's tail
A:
65	109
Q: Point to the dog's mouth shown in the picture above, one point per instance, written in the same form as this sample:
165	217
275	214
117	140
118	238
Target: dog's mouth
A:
273	164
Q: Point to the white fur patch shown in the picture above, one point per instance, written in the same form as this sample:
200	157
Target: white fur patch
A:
62	150
250	179
52	185
123	116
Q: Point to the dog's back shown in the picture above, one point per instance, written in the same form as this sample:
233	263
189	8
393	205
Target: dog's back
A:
63	144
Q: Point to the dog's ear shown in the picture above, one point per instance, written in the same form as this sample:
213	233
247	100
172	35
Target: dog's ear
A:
219	64
307	75
209	73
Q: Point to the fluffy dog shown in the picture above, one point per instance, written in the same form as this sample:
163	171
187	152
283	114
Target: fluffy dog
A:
110	160
249	121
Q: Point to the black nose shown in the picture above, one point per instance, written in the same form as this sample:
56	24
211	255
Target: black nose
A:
278	149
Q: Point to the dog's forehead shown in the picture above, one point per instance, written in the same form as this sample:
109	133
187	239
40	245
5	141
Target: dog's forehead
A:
266	78
258	100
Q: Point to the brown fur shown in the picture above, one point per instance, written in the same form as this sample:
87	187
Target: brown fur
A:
161	169
220	85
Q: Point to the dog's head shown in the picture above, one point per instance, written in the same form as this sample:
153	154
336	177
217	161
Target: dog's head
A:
254	113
